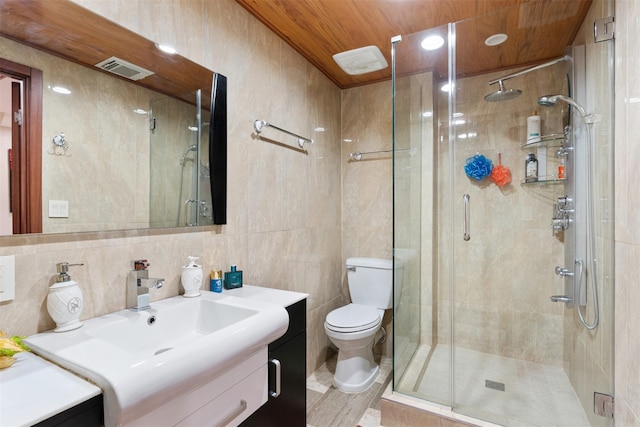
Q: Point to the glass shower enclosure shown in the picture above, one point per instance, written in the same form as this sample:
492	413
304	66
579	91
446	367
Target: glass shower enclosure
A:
475	328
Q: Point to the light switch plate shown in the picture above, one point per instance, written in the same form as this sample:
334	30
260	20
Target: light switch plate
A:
58	209
7	278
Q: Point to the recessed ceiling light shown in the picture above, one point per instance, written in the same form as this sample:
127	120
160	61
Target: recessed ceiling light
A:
347	140
193	128
432	42
319	129
427	114
140	111
60	89
496	39
459	122
458	114
445	87
166	48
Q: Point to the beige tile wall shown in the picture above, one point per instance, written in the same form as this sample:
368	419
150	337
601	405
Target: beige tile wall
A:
284	206
627	214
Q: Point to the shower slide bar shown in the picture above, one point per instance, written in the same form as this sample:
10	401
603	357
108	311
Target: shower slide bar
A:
358	154
530	69
259	126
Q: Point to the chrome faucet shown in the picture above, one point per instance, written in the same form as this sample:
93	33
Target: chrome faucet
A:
139	285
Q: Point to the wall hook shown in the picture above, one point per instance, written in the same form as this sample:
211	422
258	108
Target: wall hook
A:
60	146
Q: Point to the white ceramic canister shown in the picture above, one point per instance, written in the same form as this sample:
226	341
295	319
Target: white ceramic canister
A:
191	278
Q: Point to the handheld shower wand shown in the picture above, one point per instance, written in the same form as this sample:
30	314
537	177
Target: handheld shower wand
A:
552	100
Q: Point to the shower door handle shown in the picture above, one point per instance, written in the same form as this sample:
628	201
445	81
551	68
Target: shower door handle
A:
466	217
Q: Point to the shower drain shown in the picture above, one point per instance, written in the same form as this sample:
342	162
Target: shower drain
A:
494	385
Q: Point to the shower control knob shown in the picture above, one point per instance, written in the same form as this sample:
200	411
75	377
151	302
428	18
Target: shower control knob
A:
559	224
564	201
563	272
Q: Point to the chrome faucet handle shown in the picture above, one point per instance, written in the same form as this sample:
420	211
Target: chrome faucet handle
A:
563	272
564	205
559	224
140	264
564	201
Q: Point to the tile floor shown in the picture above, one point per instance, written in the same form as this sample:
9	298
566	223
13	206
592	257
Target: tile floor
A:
329	407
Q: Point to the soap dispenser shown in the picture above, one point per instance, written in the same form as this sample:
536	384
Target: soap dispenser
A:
64	302
191	278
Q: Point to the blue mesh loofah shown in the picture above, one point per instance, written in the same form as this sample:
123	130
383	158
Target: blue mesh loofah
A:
478	167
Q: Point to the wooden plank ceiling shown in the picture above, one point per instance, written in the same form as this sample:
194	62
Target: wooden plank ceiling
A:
538	30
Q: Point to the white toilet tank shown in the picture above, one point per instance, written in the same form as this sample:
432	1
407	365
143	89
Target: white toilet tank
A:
370	281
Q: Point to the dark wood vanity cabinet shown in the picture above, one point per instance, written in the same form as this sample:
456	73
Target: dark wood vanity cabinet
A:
86	414
290	407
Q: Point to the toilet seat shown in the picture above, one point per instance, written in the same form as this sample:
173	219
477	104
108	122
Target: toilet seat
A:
353	318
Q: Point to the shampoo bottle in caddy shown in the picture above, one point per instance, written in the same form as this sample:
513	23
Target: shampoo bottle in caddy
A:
533	127
191	278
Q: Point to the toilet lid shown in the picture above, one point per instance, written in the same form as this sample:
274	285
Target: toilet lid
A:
353	318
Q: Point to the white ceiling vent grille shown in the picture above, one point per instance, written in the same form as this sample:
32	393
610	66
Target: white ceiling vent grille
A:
123	68
362	60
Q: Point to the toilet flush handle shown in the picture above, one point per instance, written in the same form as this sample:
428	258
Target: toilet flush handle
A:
351	268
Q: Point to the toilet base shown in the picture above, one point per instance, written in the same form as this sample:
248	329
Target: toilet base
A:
355	370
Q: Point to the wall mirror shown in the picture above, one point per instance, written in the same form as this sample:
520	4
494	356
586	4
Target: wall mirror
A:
93	150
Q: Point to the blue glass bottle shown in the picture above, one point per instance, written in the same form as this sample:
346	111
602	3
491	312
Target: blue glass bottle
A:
233	278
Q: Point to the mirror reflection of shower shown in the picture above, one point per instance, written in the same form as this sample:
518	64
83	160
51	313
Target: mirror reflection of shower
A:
194	179
186	156
180	194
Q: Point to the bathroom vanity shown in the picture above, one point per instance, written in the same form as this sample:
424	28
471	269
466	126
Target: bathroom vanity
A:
233	380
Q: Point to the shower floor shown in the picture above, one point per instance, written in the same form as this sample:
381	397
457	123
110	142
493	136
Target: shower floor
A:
534	394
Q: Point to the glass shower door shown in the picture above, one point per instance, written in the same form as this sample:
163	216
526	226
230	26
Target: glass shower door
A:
420	321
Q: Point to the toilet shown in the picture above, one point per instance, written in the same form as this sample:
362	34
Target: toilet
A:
353	328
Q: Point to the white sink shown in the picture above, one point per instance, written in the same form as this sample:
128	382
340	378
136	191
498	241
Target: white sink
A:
142	360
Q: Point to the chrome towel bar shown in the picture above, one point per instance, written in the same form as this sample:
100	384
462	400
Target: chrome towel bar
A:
259	126
359	154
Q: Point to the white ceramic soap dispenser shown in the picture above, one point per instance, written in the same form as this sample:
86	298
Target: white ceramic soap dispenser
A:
64	302
191	278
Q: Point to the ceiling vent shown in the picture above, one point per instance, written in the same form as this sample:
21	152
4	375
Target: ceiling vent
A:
123	68
362	60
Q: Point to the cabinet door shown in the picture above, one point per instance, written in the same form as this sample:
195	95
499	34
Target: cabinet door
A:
290	407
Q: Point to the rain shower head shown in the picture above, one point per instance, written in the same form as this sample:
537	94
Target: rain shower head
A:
502	94
551	100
